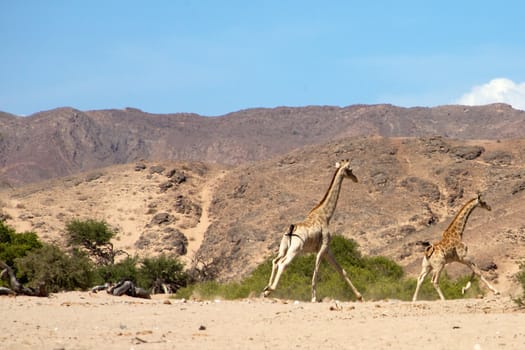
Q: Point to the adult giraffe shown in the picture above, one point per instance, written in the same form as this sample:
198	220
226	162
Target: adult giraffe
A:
312	235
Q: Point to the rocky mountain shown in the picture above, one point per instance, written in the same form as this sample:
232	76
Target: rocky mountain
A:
66	141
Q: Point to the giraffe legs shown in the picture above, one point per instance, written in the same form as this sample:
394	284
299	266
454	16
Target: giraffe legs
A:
282	253
288	249
435	281
331	259
428	267
424	272
286	254
476	272
469	283
320	254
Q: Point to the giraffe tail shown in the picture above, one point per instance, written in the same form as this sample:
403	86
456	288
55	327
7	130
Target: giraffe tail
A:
429	250
290	232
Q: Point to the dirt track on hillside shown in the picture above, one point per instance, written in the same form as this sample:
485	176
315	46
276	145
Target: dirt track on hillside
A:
197	232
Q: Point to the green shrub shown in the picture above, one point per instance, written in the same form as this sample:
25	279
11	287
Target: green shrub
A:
15	245
124	269
379	265
520	277
214	290
57	270
346	252
154	272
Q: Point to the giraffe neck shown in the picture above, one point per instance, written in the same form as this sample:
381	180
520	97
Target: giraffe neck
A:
327	205
457	226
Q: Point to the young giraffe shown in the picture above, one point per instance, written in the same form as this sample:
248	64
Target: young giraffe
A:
451	248
312	235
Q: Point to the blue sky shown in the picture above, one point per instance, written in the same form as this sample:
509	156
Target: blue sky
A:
216	57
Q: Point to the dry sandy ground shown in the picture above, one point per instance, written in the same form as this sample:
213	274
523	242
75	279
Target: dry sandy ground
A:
82	320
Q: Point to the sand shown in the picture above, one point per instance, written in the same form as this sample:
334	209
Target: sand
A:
84	320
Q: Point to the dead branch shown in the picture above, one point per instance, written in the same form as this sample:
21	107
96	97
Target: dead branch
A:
17	288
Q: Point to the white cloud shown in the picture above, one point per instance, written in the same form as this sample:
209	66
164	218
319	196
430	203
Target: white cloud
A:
497	90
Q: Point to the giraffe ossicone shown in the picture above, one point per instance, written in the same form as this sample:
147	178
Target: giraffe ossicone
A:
312	235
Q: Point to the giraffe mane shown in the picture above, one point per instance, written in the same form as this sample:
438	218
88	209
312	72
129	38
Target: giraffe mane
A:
459	212
326	194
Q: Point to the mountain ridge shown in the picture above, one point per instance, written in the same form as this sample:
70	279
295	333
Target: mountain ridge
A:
66	141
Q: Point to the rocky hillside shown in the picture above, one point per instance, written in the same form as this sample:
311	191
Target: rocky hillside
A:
154	208
409	189
66	141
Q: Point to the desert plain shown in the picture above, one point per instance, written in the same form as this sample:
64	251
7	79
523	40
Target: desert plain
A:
85	320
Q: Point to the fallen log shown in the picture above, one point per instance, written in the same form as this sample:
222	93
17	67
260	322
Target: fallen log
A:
126	287
17	288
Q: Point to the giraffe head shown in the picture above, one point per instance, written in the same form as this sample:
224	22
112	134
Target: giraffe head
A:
344	165
482	203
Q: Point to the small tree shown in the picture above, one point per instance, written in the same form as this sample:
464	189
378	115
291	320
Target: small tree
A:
95	237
